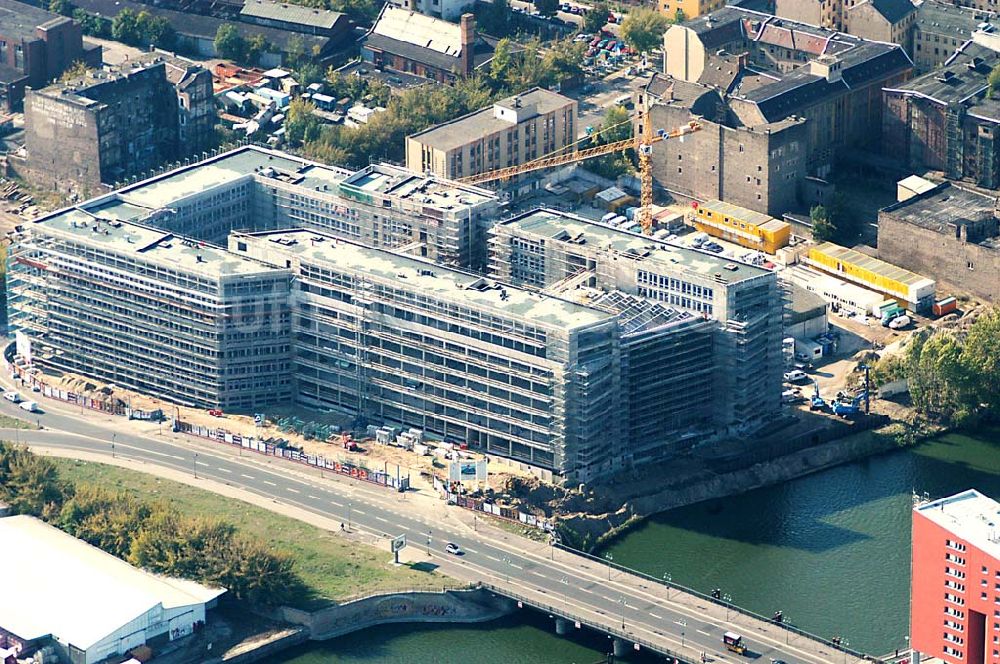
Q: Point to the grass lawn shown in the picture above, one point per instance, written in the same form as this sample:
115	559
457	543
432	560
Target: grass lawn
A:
9	422
333	568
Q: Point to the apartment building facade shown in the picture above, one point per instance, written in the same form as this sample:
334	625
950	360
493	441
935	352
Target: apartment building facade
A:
398	340
955	579
685	9
152	312
512	131
544	248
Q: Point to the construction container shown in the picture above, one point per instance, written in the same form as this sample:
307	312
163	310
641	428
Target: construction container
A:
945	306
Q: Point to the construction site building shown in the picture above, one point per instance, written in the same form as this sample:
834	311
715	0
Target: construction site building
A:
399	340
252	188
544	247
909	289
149	311
744	227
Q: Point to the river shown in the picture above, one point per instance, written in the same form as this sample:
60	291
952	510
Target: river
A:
830	550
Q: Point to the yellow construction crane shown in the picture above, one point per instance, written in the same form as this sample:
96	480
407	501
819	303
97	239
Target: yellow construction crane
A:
643	144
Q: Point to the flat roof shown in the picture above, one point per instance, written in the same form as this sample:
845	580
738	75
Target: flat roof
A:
741	213
571	228
970	516
943	207
289	13
474	126
871	264
74	591
428	277
18	20
424	189
172	251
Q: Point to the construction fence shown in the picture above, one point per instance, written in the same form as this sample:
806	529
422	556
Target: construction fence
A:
487	507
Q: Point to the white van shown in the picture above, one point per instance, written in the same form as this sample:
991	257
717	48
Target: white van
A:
699	239
12	397
30	406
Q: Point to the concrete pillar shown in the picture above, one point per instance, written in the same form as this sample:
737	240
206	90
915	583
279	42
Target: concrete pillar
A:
620	648
562	626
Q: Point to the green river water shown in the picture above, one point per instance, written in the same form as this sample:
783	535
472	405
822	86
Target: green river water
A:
831	550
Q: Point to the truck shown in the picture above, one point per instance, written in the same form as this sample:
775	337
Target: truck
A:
945	306
734	643
848	406
889	314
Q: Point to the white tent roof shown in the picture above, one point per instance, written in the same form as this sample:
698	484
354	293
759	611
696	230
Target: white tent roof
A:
53	583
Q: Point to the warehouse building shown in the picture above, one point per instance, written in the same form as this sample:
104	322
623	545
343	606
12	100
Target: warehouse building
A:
947	231
542	248
151	311
744	227
908	289
62	592
398	340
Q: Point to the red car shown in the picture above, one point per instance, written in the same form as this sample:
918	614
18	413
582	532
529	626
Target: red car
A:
215	412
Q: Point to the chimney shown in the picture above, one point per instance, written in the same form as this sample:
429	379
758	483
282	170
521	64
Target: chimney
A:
468	43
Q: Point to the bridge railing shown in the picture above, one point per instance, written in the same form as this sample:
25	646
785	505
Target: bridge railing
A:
720	602
610	628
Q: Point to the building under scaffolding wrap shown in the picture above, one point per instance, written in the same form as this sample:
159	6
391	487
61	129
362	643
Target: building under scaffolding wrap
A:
515	373
149	311
549	249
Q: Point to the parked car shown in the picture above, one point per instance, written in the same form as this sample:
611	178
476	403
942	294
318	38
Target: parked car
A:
13	397
453	549
899	322
795	376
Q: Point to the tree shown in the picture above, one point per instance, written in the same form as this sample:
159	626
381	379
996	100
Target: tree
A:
94	26
64	7
981	359
300	122
502	63
30	484
75	71
156	30
547	7
255	46
596	17
643	29
229	44
993	81
125	27
680	16
823	227
563	61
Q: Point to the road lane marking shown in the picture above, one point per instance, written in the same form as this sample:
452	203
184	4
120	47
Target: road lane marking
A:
516	566
496	560
314	497
249	477
201	463
378	518
288	488
358	511
225	470
269	483
175	456
470	549
334	502
655	616
703	633
537	574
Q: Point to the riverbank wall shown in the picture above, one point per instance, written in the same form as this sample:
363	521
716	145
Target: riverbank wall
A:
450	606
592	532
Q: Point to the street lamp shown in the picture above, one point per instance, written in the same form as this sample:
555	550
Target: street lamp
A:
113	437
429	538
728	599
667	578
196	465
622	600
349	515
509	564
610	558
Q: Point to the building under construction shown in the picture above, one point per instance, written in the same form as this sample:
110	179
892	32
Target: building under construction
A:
546	249
152	312
398	340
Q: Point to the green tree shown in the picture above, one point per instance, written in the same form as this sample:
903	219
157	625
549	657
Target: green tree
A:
981	360
28	483
229	44
502	63
563	60
993	81
64	7
823	227
94	26
679	16
547	7
596	17
495	18
256	45
300	122
643	29
156	30
125	27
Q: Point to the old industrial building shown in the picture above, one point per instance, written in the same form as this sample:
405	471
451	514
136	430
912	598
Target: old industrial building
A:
113	124
778	101
941	29
948	232
546	249
151	311
510	132
296	18
407	41
37	46
88	605
404	341
878	20
945	120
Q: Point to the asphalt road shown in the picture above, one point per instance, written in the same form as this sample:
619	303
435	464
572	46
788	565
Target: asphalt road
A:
565	580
